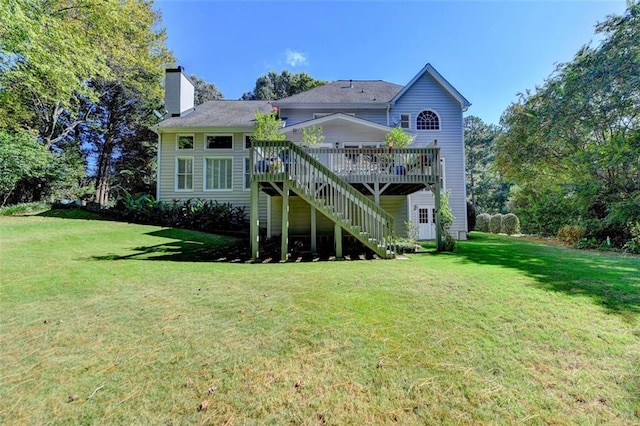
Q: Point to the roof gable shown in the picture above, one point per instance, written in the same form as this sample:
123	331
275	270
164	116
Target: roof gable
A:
336	117
464	103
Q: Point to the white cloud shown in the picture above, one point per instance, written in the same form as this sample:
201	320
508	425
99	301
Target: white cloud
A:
294	58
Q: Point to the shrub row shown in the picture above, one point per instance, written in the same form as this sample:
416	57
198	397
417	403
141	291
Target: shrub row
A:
195	214
498	223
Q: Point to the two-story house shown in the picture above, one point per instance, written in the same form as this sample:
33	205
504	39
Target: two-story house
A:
350	183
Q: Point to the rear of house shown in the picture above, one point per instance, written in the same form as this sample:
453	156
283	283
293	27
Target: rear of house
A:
205	152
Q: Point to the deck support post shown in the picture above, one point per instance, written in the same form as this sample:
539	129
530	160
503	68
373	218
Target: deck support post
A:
284	244
255	220
337	236
436	193
314	230
376	193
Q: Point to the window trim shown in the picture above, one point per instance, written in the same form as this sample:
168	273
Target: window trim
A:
244	141
246	168
205	177
429	130
206	144
179	135
408	120
177	167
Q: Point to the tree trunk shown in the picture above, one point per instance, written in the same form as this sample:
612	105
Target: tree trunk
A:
103	173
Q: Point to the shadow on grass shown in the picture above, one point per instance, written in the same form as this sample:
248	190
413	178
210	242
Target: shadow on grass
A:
611	280
72	214
188	246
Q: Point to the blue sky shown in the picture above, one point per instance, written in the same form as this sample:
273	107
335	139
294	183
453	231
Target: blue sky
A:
489	50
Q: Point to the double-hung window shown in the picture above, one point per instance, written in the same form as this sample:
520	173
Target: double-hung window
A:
405	121
218	174
184	174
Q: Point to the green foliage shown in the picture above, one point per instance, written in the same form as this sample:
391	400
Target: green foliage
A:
24	208
572	145
633	245
587	243
482	222
277	86
268	127
21	157
397	138
571	234
312	135
412	230
510	224
195	214
204	91
495	223
446	220
486	189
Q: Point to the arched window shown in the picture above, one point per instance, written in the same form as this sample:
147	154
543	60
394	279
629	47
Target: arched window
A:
427	120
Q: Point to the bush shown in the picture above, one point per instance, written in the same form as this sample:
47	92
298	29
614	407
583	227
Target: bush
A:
510	224
587	243
495	223
196	214
471	217
448	242
571	234
482	222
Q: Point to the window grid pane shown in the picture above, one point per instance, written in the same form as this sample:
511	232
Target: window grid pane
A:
184	174
427	120
219	173
185	142
423	215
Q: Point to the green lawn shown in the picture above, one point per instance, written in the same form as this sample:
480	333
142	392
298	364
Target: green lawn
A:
503	331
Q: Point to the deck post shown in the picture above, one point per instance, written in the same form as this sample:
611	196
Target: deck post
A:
436	192
314	231
337	236
284	244
255	220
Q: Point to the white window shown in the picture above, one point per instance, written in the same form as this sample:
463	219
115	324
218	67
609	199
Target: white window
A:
247	141
218	174
184	174
428	120
218	141
246	173
405	121
184	142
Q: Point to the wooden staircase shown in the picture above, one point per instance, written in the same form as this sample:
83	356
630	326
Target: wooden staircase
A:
284	162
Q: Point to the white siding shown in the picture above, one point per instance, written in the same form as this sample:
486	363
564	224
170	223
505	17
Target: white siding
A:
239	196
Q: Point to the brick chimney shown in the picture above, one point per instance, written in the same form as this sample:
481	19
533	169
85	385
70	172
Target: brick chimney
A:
178	92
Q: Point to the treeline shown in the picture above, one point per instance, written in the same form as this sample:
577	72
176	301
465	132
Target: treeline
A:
79	83
568	152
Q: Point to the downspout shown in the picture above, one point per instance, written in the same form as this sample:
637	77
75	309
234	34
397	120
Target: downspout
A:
388	109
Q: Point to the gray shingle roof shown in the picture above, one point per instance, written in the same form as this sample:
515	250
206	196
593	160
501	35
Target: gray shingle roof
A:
221	113
346	91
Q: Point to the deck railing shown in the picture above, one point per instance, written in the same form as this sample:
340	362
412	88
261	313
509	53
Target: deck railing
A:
279	161
406	165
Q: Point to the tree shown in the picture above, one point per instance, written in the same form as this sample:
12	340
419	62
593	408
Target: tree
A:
486	189
575	141
277	86
21	157
268	127
204	91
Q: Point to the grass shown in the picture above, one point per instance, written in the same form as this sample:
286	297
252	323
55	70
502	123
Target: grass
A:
503	331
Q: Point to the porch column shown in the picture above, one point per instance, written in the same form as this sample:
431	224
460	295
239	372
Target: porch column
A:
255	220
337	236
284	244
314	230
